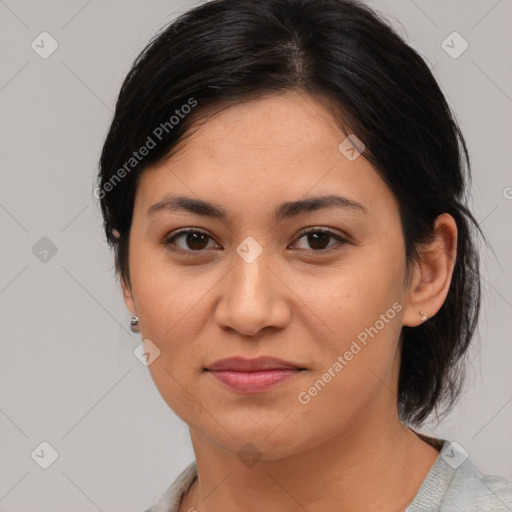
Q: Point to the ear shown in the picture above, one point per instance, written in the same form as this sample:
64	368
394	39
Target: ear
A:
128	297
432	275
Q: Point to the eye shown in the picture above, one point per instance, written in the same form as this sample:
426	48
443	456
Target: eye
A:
318	239
194	240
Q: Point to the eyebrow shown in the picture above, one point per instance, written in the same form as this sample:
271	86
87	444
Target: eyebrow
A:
173	203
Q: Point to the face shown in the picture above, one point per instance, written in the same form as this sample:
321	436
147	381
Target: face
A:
252	284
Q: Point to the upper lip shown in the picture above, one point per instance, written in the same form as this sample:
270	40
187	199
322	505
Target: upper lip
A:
242	364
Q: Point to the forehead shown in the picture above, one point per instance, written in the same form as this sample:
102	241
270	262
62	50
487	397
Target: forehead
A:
284	124
264	152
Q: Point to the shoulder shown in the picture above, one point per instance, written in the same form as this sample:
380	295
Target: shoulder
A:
455	484
470	489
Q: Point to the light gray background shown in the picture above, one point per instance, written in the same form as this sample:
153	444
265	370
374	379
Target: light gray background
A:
68	373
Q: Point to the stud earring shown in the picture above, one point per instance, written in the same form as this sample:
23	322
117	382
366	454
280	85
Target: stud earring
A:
134	324
423	316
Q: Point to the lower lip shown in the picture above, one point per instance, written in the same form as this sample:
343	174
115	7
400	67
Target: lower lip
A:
253	382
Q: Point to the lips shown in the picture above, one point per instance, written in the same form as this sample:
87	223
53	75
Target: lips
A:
253	375
241	364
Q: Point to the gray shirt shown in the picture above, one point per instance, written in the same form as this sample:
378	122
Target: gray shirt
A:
453	484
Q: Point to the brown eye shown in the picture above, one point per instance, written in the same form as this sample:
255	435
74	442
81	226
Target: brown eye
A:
192	240
318	239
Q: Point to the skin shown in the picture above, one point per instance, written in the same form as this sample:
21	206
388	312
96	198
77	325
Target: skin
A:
346	449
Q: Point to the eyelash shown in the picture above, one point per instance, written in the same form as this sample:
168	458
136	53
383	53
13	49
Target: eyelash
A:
341	241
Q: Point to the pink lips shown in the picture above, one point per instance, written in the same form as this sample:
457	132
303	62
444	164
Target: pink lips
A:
252	375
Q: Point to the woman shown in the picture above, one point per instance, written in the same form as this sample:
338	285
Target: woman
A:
285	188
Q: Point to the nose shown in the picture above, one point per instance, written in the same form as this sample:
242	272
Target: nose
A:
253	297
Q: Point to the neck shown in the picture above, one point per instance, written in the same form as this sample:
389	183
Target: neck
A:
371	466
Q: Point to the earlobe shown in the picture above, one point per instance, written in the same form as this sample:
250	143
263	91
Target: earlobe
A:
433	273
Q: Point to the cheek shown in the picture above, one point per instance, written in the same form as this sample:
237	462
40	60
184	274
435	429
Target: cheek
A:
175	311
363	310
172	316
351	298
164	291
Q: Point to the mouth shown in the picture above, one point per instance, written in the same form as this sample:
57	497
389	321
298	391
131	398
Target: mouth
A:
253	375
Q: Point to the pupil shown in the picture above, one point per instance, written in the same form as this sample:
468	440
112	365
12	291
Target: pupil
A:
196	240
318	240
